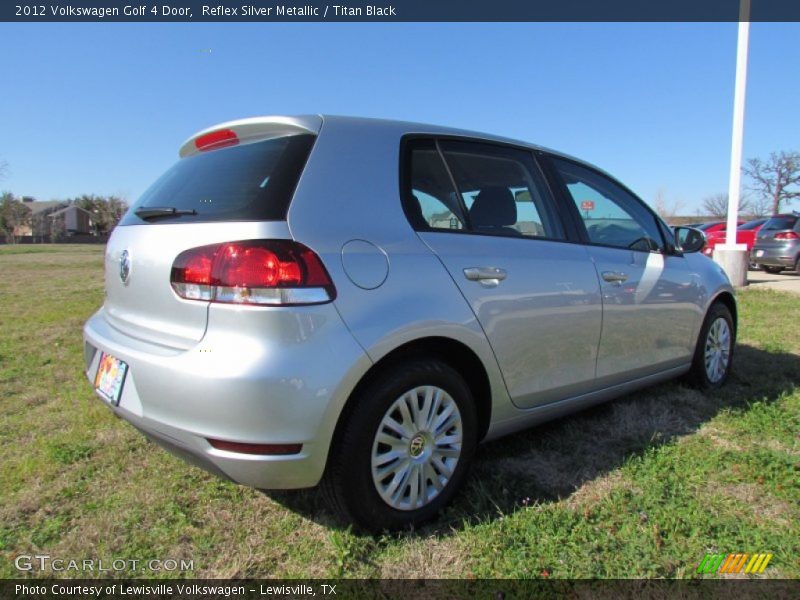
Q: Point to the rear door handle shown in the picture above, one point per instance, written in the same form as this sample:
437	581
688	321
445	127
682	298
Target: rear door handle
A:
487	276
617	277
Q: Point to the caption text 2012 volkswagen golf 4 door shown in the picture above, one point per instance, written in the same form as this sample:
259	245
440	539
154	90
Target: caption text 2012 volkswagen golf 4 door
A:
357	303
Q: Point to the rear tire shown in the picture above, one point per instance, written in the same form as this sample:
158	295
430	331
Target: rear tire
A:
404	449
713	354
771	270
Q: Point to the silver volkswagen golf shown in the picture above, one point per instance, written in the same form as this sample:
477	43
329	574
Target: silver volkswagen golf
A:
357	303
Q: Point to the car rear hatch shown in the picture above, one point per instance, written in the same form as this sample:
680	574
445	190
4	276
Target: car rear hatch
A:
233	182
777	232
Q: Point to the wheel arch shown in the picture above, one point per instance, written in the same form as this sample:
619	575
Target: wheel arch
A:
727	299
455	353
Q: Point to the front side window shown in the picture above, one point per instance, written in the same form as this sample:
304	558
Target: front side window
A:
612	216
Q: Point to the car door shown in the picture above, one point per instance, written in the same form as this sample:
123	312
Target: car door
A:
486	212
651	297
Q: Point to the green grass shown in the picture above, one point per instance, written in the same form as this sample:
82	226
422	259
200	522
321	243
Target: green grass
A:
640	487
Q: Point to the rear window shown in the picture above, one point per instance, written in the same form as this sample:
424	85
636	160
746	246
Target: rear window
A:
776	223
752	225
250	182
705	226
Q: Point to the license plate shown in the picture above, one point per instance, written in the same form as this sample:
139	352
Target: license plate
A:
110	378
759	253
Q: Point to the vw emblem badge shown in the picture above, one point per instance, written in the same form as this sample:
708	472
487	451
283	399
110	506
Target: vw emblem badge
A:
417	446
125	266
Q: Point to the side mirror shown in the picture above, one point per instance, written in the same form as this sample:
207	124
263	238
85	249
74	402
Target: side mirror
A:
689	239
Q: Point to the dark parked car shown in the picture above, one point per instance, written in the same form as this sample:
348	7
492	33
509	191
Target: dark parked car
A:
777	245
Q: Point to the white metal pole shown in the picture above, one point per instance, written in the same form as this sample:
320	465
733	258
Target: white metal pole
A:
730	255
734	184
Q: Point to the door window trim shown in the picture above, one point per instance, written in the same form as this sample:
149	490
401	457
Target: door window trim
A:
467	220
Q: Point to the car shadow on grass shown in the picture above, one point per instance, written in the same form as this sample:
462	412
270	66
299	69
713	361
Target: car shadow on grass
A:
551	461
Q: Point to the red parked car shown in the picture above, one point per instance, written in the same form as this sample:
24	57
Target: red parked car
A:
745	234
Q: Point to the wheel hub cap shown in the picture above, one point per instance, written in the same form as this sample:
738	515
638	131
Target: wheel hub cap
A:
416	447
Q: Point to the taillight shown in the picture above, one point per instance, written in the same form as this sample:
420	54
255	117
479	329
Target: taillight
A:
263	272
220	138
787	235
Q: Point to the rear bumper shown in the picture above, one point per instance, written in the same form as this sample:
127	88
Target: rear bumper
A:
776	256
283	380
262	472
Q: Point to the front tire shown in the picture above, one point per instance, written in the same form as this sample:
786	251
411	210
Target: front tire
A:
713	355
404	449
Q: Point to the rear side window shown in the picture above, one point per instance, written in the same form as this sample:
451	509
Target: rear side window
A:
478	187
502	190
432	202
250	182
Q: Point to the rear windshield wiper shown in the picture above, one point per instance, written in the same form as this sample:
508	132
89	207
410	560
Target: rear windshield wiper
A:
155	212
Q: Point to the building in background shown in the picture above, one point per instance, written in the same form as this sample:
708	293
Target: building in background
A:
55	218
70	220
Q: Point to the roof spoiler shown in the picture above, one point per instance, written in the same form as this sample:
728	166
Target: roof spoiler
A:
248	130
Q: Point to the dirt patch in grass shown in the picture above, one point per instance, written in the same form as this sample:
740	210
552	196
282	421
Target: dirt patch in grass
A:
719	438
755	499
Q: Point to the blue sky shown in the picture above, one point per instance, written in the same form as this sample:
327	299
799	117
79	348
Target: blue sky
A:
103	108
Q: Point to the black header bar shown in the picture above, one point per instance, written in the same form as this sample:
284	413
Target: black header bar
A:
221	11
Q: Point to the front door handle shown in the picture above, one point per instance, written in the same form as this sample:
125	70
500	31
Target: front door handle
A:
617	277
487	276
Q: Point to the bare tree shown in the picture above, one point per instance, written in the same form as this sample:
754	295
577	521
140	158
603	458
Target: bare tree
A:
760	206
666	210
777	179
717	205
3	169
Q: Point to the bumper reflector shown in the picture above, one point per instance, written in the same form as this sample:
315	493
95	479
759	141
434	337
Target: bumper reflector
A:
262	449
